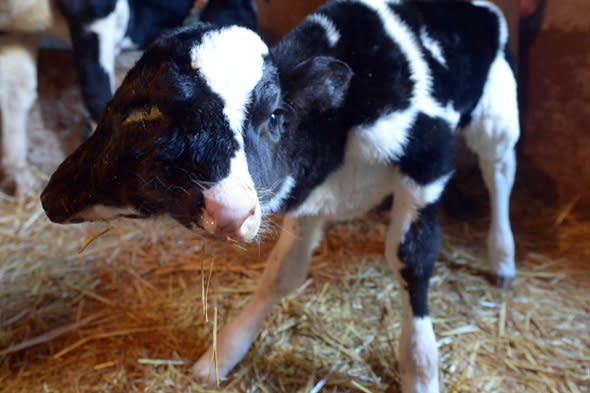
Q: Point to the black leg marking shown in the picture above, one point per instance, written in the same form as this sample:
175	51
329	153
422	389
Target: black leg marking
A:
418	252
94	80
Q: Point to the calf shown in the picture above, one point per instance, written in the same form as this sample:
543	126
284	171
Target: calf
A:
98	30
362	100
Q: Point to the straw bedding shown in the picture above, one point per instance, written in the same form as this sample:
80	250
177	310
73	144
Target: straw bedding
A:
130	309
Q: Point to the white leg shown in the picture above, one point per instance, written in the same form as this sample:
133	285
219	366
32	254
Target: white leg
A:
411	249
499	178
18	91
286	269
492	135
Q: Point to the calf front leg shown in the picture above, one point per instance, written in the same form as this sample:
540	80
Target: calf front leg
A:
286	269
411	249
18	91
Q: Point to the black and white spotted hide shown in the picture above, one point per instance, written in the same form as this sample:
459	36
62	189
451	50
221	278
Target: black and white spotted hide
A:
362	100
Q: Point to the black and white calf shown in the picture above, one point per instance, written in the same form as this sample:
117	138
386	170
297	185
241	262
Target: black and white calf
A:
362	100
97	30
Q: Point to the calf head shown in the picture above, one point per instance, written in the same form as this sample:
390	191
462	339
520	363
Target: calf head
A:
197	131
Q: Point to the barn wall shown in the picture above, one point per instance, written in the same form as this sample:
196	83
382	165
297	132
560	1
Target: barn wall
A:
558	139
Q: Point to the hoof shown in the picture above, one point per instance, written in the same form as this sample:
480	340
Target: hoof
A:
204	372
503	282
19	182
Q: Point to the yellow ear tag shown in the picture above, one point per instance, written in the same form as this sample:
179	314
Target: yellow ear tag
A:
141	115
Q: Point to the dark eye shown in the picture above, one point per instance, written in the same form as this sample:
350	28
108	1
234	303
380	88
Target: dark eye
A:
275	125
273	122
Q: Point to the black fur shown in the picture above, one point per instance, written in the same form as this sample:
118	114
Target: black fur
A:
230	12
430	152
149	17
85	11
418	252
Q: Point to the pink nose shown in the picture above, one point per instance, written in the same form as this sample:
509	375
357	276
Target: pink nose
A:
231	213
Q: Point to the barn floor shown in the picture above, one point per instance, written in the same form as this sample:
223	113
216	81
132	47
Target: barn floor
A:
132	308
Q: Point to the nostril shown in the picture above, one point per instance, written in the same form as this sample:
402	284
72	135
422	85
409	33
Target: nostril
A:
231	208
252	212
219	218
249	227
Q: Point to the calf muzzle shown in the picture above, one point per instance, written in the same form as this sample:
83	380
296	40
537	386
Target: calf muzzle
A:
231	211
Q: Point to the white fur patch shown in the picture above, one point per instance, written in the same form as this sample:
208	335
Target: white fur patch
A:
231	60
275	203
332	33
239	170
494	128
105	213
418	356
425	195
432	46
492	134
349	191
383	140
111	31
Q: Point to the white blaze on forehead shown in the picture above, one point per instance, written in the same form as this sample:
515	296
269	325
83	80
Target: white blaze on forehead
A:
233	201
231	60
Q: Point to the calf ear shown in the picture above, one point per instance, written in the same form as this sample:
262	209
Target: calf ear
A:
319	83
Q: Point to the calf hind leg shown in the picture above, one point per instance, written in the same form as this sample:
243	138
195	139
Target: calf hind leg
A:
411	249
499	178
492	136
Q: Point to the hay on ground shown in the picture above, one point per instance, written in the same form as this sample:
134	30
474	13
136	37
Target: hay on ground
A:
138	305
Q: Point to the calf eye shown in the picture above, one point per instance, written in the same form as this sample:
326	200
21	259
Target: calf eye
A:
275	125
274	120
